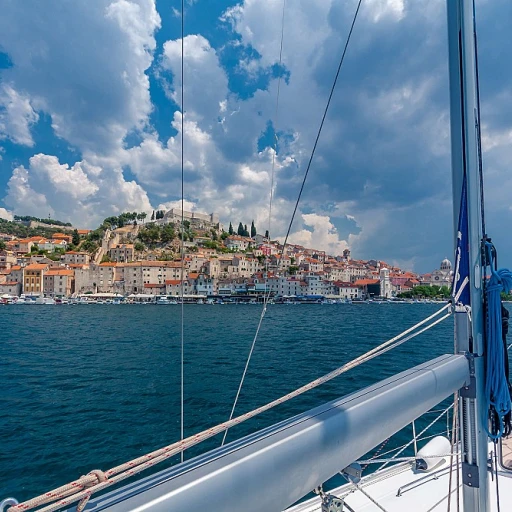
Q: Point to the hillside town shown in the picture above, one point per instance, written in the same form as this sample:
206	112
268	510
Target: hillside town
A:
129	256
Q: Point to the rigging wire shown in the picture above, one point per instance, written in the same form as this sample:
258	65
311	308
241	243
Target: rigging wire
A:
182	247
321	125
266	294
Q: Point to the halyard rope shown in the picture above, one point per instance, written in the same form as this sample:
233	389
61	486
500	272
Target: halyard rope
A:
85	486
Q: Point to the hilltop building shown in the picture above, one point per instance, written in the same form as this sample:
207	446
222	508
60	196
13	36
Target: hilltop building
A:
197	220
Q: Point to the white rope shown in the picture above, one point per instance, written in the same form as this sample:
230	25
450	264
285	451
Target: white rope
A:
266	294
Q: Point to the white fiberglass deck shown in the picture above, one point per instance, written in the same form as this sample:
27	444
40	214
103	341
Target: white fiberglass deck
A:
401	489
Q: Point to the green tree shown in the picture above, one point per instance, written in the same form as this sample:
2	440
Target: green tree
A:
153	215
105	259
240	230
34	248
292	269
139	246
76	237
253	230
3	245
224	235
266	234
89	246
167	234
246	231
230	230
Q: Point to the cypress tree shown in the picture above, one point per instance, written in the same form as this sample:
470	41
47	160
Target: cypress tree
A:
253	230
240	230
230	230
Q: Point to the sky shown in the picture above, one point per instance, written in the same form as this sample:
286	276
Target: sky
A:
91	115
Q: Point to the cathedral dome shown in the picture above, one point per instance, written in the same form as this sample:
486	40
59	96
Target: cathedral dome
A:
446	265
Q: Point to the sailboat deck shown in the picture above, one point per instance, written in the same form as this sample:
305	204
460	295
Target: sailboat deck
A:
401	489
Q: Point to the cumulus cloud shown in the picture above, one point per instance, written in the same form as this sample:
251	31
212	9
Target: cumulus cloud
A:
322	233
84	64
206	84
82	193
5	214
380	176
16	116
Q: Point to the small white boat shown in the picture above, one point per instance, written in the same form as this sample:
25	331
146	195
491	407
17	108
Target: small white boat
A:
46	301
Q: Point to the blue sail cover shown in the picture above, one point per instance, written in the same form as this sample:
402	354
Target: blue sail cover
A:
460	284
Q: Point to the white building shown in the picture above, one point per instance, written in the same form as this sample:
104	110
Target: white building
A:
443	276
238	243
386	288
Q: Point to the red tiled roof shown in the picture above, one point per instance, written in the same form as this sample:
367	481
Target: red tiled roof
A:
36	266
365	282
59	272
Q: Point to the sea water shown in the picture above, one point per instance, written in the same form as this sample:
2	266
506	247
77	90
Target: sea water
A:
91	386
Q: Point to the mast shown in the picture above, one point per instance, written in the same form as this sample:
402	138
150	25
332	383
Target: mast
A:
465	145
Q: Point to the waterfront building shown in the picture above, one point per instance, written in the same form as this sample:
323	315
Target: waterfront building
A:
95	278
33	278
15	274
155	289
59	282
344	290
10	288
205	285
369	287
173	287
386	288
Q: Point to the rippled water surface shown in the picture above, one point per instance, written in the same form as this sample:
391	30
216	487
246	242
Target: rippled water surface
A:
92	386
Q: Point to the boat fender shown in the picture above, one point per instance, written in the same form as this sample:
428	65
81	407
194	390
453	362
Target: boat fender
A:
433	454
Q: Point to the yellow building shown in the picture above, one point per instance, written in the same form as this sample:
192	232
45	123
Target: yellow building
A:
33	275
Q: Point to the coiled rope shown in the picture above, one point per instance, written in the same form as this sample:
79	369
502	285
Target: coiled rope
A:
497	393
84	487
